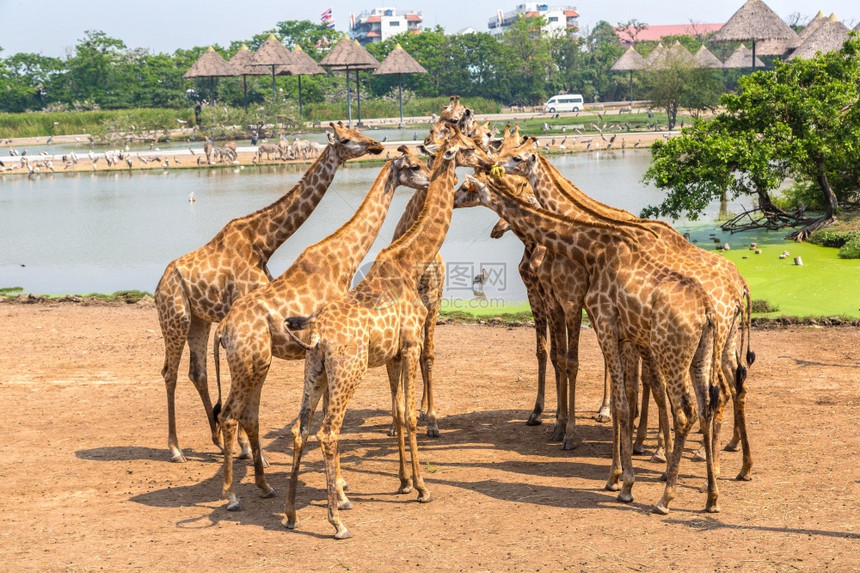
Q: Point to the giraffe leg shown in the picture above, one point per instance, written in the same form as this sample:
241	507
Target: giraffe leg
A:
314	387
604	413
198	338
573	320
411	356
428	356
541	324
735	374
658	390
229	428
399	411
174	341
625	400
642	426
342	382
250	420
558	336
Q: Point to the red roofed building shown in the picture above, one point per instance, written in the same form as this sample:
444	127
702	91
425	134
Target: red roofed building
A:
559	19
656	33
381	23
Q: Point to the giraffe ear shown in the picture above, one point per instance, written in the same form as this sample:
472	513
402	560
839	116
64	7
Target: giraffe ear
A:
403	149
332	137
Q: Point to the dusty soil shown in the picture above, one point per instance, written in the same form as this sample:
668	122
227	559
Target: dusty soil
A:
88	484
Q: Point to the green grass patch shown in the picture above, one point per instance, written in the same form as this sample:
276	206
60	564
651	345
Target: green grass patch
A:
824	286
11	291
44	124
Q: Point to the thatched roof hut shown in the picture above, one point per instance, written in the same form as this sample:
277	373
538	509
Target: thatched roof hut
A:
828	37
272	53
399	62
741	58
630	60
704	58
813	25
209	65
349	55
241	65
754	21
303	65
654	58
345	56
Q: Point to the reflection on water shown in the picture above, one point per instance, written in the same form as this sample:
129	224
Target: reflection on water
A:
104	232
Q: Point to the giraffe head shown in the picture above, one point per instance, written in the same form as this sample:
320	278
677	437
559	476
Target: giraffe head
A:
483	134
474	191
518	159
454	115
468	153
410	171
350	144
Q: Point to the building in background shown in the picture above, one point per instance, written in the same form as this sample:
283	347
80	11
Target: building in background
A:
630	35
381	23
559	19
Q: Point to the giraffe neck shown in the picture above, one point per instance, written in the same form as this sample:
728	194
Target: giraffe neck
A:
277	222
349	244
570	198
419	245
580	241
410	214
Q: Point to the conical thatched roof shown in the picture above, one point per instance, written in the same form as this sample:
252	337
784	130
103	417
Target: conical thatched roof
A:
813	25
209	65
704	58
655	57
679	54
857	27
241	65
828	37
741	58
348	54
303	65
272	53
399	62
629	60
754	21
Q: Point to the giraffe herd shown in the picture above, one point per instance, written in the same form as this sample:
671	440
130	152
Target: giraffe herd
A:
665	312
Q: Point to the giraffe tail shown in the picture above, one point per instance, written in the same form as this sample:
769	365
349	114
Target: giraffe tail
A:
713	383
216	357
292	323
746	322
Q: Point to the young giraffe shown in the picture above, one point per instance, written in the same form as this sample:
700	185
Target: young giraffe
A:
724	285
252	332
634	299
378	322
198	288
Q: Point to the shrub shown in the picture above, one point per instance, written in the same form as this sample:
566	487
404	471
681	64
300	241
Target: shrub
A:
851	248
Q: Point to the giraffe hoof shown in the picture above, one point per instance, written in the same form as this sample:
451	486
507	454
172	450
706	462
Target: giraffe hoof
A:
638	450
625	497
732	447
343	534
290	525
699	456
235	506
569	444
432	431
425	497
603	417
663	477
712	508
660	509
612	486
269	494
245	455
392	431
743	476
178	458
658	458
405	487
534	420
345	505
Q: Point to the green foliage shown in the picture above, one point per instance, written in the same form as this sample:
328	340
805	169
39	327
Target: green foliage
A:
851	249
761	306
846	240
800	121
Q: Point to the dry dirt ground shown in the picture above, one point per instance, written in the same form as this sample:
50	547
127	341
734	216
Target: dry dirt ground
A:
88	485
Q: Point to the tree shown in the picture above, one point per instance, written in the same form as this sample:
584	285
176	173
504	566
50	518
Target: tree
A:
800	121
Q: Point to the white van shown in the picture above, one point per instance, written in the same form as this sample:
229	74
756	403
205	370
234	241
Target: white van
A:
564	102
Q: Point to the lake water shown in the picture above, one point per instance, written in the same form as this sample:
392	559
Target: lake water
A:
105	232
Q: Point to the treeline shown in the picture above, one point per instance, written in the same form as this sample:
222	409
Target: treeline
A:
520	68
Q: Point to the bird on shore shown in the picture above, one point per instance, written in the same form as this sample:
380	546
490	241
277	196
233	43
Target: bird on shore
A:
480	280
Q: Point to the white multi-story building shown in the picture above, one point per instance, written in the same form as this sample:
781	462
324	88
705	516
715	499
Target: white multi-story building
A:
381	23
559	19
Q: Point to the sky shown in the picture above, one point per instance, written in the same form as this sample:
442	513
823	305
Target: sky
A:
53	27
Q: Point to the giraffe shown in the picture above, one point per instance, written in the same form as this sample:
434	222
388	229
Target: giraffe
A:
724	285
251	333
455	114
378	323
633	299
430	289
199	287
